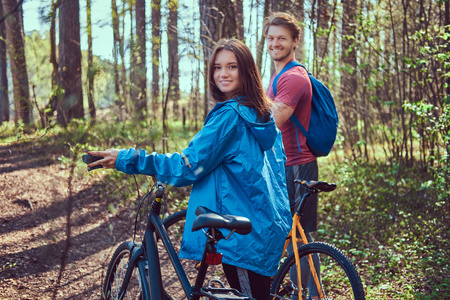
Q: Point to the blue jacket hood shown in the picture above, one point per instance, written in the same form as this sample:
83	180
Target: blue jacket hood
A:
265	133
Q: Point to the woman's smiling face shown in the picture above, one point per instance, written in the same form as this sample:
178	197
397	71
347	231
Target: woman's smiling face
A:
226	73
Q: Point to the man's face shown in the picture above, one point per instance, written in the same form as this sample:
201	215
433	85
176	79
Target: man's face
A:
280	44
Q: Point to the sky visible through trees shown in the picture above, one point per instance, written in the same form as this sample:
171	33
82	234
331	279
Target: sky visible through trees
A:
103	35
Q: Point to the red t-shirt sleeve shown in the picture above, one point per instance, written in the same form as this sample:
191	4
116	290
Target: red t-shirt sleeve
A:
294	89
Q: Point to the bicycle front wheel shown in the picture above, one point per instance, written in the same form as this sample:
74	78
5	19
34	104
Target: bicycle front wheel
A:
339	277
116	274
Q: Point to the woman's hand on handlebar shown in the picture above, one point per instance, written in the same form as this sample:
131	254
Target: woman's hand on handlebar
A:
109	158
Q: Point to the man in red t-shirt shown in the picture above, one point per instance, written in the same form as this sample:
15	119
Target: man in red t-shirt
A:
294	93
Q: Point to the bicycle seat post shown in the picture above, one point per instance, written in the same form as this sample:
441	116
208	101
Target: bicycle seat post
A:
210	253
304	199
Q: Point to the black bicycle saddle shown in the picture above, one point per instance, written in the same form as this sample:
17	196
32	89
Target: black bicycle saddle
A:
207	218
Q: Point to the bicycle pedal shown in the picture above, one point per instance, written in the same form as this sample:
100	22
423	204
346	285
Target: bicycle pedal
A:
223	294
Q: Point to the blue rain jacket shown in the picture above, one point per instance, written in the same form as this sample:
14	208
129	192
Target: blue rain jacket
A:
236	166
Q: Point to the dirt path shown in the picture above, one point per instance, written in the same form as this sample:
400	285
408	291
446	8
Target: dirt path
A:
37	215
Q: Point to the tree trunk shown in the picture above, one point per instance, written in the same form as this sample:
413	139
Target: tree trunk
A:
348	75
134	92
447	24
141	70
116	53
209	18
321	36
53	101
322	25
156	48
123	76
174	89
71	103
18	64
217	21
239	12
91	71
299	14
260	48
4	98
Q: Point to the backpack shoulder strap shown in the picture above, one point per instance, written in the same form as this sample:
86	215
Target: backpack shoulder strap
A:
286	67
274	88
293	117
299	125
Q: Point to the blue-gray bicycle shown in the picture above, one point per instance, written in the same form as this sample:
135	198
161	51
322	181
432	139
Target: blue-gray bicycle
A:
134	271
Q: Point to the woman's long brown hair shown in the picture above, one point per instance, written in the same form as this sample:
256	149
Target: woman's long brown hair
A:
250	85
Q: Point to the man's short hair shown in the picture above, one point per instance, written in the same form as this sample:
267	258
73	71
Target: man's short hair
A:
282	19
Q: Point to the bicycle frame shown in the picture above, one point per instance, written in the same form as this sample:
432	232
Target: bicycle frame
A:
146	257
292	236
149	251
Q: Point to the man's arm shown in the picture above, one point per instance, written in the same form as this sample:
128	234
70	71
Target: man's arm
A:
281	113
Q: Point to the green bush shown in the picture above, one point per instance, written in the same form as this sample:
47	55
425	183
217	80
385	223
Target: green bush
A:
390	221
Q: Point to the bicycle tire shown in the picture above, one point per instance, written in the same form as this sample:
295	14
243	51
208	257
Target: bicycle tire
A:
340	279
174	225
116	273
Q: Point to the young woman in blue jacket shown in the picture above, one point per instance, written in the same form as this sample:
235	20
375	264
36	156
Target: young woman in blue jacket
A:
235	165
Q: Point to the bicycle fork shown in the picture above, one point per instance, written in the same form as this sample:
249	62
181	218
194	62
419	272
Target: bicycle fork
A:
293	236
137	252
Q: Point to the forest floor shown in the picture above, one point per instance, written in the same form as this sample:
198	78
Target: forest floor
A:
54	243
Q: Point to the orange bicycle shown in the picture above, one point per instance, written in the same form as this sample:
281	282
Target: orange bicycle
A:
332	274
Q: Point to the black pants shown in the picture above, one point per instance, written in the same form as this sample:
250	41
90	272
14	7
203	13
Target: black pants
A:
309	171
247	282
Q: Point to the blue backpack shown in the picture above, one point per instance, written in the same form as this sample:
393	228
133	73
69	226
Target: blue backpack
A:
324	118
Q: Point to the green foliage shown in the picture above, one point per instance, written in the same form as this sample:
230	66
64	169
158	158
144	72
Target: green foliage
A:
121	188
436	129
389	220
39	66
40	73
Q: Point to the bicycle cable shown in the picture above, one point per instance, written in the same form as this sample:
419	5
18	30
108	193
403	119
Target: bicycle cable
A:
138	210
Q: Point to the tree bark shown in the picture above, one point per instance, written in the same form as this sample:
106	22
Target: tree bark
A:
447	24
134	92
123	77
321	38
141	69
4	97
260	48
239	12
299	14
174	89
209	34
16	50
53	101
116	54
217	21
70	105
348	75
156	48
91	71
